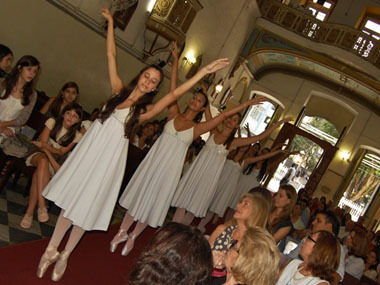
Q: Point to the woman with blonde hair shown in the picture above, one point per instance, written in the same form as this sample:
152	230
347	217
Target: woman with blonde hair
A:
357	243
253	210
283	205
321	254
255	260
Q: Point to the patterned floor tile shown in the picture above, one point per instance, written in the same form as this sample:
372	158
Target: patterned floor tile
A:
3	205
16	208
17	198
14	222
17	236
3	218
46	230
4	233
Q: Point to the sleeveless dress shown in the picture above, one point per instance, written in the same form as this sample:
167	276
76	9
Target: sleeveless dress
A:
226	187
150	191
198	185
87	185
246	183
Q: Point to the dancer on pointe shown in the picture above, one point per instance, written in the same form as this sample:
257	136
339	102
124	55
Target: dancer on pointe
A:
150	191
197	187
87	185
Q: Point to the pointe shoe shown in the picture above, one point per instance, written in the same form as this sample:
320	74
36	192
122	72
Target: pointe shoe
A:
42	215
120	237
26	221
46	260
60	266
129	245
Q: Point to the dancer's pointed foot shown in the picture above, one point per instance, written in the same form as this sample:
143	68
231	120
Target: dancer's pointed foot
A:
49	257
129	245
60	266
120	237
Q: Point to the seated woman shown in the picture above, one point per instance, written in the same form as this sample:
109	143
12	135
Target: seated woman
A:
371	265
143	137
177	254
279	219
69	93
295	217
255	260
17	95
253	210
357	245
320	253
58	137
6	57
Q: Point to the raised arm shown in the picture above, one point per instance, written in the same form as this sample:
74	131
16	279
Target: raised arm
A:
116	83
173	108
202	128
254	159
183	88
246	141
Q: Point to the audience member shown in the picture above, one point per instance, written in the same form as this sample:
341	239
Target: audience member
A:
370	267
177	254
357	245
254	260
320	253
58	137
6	57
69	93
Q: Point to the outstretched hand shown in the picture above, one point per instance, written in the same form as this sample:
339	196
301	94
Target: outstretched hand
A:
216	65
257	100
105	12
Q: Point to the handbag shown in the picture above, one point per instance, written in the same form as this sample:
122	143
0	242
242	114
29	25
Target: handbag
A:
17	146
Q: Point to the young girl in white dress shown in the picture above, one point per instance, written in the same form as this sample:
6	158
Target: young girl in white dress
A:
59	137
17	95
197	187
87	185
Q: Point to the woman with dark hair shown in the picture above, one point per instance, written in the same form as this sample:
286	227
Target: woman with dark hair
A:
143	137
6	57
58	137
357	244
320	253
284	201
177	254
87	185
370	268
69	93
17	95
198	186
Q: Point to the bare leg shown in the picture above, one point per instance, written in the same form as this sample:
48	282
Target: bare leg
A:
189	217
205	221
43	177
33	196
179	215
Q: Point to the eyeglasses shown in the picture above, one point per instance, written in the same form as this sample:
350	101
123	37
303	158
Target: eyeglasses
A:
310	238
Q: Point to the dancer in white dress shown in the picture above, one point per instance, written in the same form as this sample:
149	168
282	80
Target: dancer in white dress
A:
197	187
227	190
87	185
148	194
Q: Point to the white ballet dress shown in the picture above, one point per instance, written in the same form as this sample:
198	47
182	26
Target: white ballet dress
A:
150	190
246	183
88	183
291	276
198	185
226	187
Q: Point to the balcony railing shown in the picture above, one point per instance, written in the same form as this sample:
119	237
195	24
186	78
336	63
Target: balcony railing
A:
311	28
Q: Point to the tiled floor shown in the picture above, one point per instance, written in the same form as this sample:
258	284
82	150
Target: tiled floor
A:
12	209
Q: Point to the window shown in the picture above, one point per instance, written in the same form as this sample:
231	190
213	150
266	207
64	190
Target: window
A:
321	128
321	9
371	27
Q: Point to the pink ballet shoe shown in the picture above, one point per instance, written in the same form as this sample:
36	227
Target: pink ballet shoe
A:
49	257
129	245
26	221
60	266
120	237
42	215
